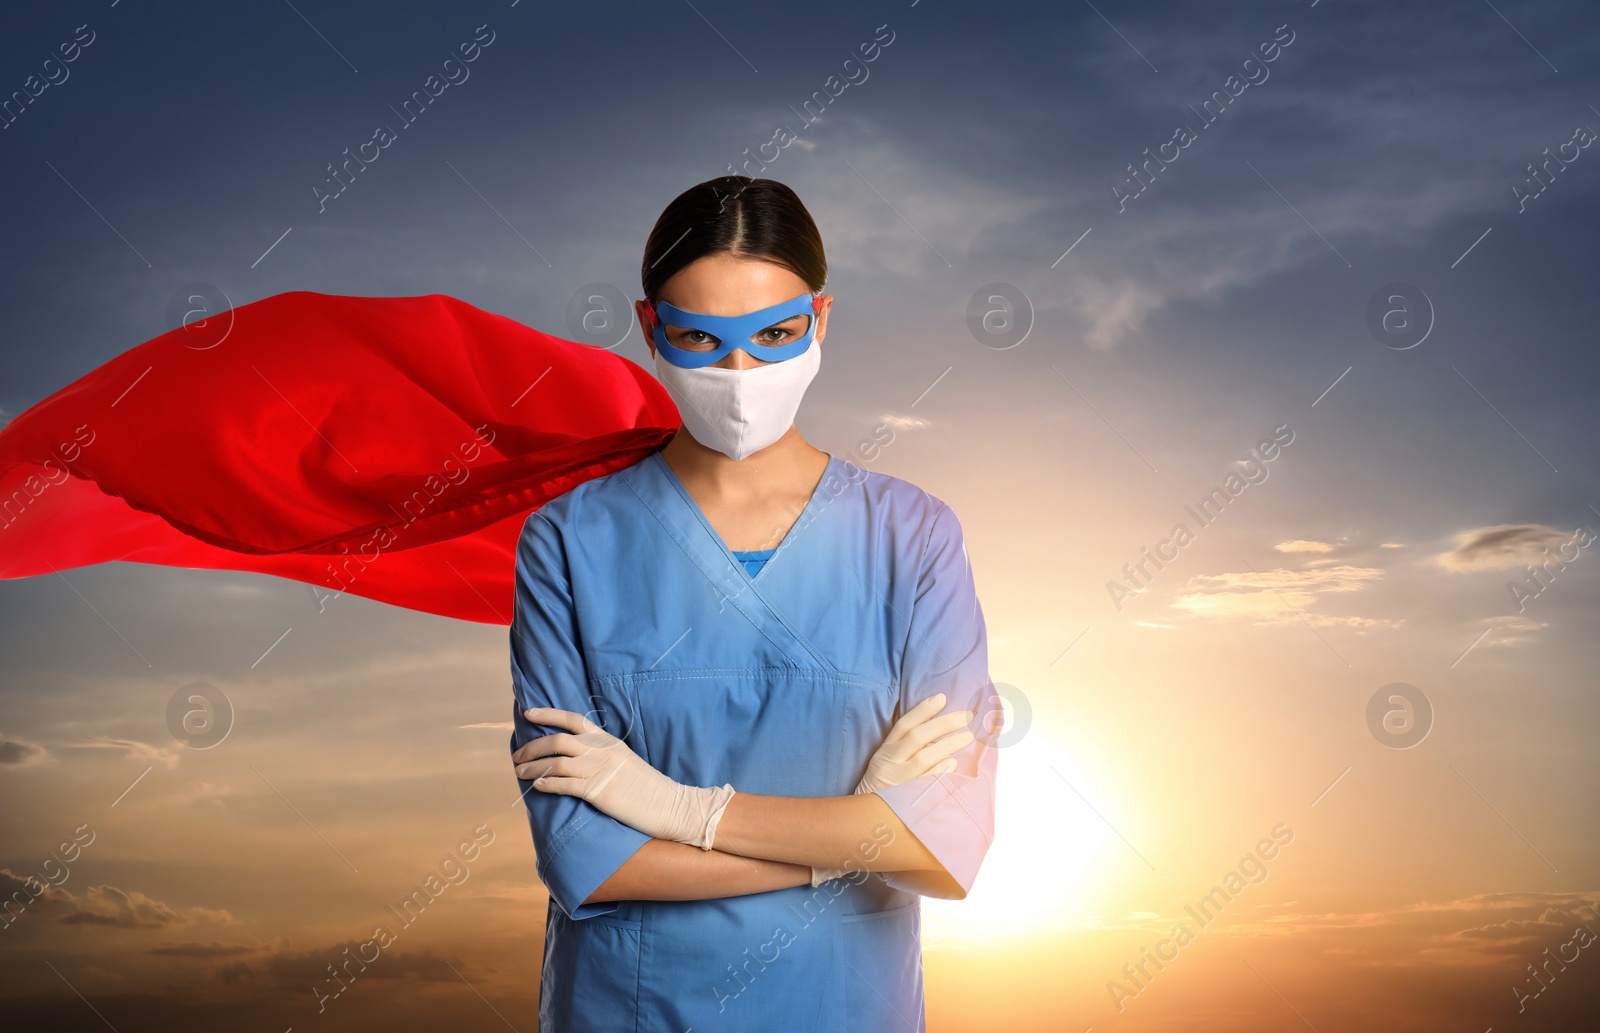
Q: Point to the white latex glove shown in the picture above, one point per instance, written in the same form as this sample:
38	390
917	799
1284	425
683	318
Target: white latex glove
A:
590	763
912	748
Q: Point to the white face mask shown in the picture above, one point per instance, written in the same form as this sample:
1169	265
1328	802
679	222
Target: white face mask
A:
740	411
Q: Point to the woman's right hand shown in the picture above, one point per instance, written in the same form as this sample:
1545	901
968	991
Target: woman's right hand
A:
920	743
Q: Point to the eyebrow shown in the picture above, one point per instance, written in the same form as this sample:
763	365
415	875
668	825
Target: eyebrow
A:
769	326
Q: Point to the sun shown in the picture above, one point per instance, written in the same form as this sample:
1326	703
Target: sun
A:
1049	847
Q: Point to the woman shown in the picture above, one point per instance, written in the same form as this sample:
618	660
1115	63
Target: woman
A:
713	646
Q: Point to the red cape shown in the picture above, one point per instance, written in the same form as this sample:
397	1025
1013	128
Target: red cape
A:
388	447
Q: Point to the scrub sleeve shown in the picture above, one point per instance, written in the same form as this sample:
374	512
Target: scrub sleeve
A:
578	846
947	651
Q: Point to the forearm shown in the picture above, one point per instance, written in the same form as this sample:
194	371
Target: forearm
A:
663	870
859	831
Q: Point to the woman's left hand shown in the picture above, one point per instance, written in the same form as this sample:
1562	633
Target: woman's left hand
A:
917	745
590	763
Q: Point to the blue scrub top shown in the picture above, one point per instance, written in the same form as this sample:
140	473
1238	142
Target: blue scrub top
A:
780	680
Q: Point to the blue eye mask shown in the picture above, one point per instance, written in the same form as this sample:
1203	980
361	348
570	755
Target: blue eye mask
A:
733	331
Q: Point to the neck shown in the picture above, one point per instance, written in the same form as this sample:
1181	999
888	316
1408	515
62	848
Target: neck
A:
789	460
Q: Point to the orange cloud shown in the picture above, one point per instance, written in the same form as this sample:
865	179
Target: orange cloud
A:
1278	596
1302	545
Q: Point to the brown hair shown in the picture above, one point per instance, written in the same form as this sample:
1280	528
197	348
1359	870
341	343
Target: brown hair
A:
734	215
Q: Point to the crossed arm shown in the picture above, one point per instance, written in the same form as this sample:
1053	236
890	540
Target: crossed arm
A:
767	843
761	842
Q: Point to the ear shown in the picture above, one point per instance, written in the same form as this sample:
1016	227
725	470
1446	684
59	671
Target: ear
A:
645	313
823	305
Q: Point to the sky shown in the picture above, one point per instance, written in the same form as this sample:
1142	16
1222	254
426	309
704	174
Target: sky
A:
1093	265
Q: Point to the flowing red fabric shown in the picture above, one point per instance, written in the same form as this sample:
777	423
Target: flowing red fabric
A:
387	447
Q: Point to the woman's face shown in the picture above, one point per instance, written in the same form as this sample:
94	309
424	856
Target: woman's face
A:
724	285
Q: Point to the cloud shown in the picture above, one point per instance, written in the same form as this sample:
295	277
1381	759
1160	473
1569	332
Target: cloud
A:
1513	630
125	909
14	753
242	589
1111	311
899	422
16	889
1278	596
101	905
1486	923
1241	235
214	949
135	750
502	725
1503	547
1211	224
291	972
1302	545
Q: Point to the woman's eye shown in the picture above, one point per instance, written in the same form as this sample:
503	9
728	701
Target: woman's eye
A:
777	335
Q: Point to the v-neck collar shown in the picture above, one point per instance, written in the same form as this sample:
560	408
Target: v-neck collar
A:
671	477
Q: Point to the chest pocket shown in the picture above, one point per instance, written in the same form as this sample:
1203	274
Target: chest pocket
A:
779	731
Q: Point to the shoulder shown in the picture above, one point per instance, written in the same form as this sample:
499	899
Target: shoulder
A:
572	507
897	501
881	487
